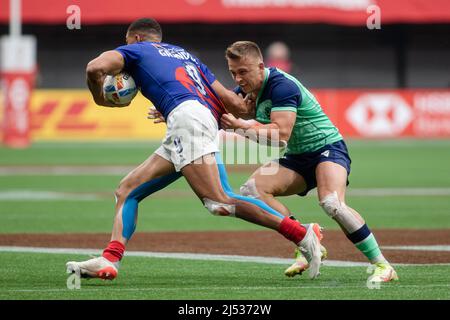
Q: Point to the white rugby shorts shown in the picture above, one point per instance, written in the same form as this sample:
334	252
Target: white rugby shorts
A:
192	132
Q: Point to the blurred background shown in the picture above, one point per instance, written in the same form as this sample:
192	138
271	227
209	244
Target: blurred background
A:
322	55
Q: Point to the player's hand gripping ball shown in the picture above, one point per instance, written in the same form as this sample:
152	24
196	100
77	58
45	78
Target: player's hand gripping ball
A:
119	89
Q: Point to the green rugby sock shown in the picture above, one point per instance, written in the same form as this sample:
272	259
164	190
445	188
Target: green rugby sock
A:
369	247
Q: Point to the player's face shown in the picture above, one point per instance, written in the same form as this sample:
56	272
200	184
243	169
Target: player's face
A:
248	73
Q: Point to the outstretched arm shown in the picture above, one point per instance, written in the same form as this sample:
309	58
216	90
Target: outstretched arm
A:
235	104
278	130
108	63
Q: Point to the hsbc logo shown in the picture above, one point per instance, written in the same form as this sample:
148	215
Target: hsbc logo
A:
379	115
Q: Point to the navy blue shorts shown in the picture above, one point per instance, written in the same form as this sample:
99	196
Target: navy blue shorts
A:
305	164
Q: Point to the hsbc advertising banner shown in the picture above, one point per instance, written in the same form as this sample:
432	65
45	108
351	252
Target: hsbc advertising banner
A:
366	114
388	114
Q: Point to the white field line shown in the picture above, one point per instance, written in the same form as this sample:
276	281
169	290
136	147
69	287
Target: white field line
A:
122	170
183	256
29	195
190	256
64	170
203	289
382	192
418	248
32	195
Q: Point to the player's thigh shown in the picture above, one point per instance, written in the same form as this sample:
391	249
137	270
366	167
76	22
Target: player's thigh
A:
153	167
279	182
204	178
331	177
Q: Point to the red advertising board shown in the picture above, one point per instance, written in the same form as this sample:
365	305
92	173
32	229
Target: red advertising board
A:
17	73
369	114
388	113
345	12
18	87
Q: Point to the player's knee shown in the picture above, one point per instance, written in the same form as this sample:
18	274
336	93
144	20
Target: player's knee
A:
249	189
226	207
341	213
123	190
118	194
331	204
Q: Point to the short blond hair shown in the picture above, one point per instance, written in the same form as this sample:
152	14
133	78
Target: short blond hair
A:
241	49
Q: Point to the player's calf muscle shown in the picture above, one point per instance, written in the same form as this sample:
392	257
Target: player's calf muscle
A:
127	185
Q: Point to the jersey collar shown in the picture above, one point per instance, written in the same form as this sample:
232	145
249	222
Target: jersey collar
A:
266	77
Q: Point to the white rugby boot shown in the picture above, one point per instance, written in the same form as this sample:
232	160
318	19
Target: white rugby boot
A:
310	247
301	264
99	267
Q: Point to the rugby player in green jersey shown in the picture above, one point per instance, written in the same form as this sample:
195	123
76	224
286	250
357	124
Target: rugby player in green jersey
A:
316	154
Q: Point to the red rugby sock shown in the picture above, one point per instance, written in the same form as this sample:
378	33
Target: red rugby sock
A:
292	230
114	251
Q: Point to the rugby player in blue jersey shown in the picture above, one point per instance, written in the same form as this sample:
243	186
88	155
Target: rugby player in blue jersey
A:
192	102
316	154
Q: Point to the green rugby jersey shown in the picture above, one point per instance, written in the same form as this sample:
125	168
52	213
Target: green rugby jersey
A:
282	92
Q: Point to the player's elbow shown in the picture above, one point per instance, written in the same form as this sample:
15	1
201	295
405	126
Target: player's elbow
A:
285	137
284	134
283	127
94	69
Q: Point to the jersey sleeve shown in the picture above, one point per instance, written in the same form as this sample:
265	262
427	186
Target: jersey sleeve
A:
286	96
131	55
207	73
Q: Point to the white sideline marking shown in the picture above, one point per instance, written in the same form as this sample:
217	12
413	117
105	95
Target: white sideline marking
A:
193	256
27	195
186	256
382	192
68	170
64	170
418	248
32	195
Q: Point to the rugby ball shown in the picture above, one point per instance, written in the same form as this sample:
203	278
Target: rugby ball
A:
119	89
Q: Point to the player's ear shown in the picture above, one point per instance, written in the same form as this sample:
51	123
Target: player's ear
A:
261	65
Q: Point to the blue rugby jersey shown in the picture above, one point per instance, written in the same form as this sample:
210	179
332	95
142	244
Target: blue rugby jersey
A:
168	75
